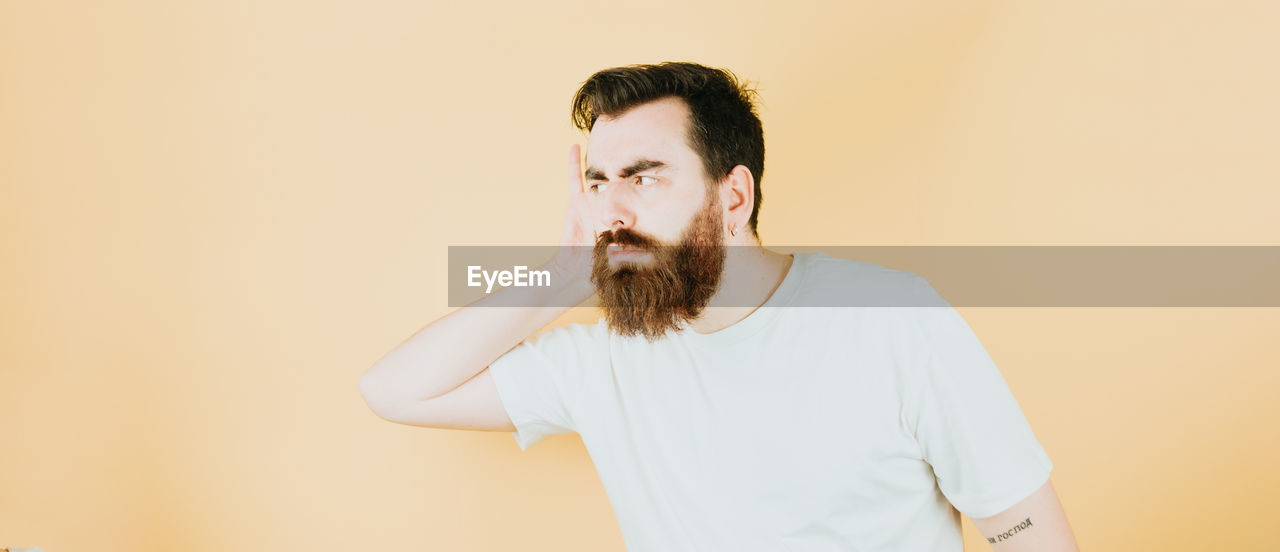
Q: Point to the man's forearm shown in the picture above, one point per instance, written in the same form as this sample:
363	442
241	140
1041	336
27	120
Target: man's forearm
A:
449	351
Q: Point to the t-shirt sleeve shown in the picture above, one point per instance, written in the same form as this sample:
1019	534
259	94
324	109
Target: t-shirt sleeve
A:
540	381
969	427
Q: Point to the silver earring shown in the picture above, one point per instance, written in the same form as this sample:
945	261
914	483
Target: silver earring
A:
733	230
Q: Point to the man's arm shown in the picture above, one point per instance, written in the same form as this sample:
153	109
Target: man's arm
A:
1037	523
409	381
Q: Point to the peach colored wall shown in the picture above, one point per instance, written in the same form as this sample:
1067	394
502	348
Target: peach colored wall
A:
215	215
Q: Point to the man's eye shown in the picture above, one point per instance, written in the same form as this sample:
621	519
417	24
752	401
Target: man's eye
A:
594	188
652	179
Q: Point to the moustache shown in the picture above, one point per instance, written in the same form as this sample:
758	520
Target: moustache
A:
626	238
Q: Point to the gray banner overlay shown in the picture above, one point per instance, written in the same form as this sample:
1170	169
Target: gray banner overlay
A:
979	276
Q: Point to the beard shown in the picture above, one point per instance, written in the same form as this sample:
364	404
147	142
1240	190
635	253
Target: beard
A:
650	297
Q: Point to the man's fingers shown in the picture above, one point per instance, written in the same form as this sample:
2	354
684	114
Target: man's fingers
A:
575	170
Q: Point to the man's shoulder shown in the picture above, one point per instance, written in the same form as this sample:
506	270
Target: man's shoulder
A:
840	282
822	264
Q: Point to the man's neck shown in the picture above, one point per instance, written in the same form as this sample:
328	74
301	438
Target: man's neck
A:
751	275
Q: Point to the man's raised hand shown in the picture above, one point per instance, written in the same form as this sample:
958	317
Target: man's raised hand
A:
574	260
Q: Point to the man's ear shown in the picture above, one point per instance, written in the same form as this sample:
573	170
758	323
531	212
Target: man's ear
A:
739	188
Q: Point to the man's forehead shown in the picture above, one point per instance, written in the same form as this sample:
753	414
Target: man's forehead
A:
612	157
655	130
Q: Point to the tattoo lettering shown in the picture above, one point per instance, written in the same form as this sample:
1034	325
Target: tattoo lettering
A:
1010	533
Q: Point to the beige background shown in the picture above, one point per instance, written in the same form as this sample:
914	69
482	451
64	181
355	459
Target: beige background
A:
216	215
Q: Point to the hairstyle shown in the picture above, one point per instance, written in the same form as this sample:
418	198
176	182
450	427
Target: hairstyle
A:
725	130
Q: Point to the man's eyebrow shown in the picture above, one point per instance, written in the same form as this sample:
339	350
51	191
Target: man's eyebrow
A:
640	165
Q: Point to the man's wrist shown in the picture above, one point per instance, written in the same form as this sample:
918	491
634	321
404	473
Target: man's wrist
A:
568	288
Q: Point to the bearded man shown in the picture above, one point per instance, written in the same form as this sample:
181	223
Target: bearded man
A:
724	407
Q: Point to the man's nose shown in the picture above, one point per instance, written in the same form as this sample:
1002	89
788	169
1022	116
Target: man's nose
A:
615	206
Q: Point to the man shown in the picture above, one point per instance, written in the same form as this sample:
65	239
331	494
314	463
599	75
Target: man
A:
718	413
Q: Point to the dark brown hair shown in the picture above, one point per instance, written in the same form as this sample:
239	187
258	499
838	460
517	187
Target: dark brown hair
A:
725	130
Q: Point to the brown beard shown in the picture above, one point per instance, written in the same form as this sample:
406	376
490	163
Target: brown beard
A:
655	295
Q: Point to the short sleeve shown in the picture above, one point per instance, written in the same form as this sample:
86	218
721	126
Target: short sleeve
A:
969	427
541	379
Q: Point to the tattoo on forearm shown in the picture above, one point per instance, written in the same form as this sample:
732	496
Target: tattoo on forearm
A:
1010	533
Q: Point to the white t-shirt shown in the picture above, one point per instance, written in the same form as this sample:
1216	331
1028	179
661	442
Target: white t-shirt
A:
798	428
